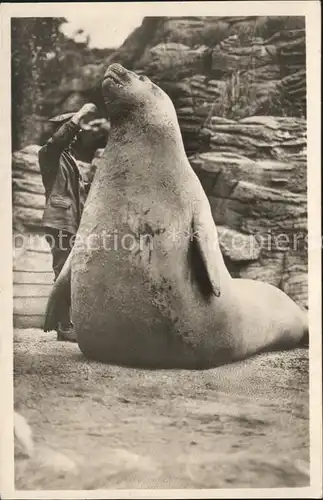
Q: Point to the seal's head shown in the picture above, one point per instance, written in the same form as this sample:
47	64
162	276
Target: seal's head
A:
126	93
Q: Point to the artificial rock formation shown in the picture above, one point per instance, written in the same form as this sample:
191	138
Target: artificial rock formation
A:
260	208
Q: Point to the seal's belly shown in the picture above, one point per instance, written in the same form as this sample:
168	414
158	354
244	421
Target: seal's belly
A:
129	304
134	298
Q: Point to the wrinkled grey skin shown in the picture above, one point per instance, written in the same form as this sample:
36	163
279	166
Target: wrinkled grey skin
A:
166	299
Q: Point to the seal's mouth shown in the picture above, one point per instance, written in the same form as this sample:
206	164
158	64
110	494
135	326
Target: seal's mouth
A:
111	77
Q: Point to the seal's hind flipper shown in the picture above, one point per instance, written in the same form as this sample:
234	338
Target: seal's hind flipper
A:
203	252
59	296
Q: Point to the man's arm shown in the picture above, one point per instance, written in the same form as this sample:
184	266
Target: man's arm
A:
49	154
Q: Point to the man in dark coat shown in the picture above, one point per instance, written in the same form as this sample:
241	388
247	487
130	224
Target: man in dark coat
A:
65	193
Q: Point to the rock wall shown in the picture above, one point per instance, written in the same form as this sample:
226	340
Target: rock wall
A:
260	208
233	72
239	88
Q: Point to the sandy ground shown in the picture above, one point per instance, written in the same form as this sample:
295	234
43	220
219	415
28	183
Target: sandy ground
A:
99	427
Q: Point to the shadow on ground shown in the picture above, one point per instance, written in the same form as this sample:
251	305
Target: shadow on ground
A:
105	427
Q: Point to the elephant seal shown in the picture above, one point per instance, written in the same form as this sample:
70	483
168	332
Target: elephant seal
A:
149	287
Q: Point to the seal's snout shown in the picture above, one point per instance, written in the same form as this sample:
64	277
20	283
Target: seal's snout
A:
115	73
117	68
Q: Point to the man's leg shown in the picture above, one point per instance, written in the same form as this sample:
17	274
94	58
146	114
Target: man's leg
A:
60	251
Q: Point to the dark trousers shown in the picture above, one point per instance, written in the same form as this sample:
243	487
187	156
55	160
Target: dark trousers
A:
61	244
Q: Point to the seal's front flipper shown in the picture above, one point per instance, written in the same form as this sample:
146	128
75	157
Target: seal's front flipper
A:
59	296
203	256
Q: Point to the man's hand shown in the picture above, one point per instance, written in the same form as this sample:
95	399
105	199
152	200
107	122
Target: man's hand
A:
86	110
